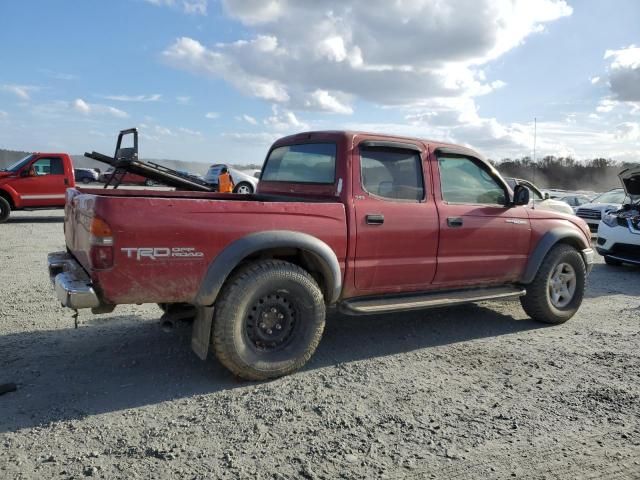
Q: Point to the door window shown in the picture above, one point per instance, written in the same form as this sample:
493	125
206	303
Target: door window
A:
392	173
48	166
465	181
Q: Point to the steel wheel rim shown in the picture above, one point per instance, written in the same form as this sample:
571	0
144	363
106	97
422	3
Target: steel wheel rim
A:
562	285
244	189
271	322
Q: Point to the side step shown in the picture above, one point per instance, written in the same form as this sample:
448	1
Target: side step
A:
427	300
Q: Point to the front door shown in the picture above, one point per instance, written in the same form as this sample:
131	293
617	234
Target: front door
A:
481	239
396	219
46	188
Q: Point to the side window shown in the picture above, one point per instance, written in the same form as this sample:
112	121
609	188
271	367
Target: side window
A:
392	173
48	166
464	181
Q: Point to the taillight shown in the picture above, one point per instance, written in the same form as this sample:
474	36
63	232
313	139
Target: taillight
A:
101	252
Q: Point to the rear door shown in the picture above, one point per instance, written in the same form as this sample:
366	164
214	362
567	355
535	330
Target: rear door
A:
47	187
396	218
481	239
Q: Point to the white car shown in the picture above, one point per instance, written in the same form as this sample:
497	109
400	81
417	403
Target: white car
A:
540	200
619	231
244	183
606	202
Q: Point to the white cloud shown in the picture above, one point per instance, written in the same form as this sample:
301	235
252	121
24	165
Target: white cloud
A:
323	100
388	53
3	114
262	139
81	106
212	115
183	99
133	98
249	119
21	91
624	73
188	131
629	131
193	7
284	121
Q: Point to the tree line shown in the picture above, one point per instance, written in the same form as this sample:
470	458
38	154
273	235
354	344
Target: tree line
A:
596	174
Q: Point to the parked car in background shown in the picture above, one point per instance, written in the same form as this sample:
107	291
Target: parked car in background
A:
619	231
244	183
128	178
37	181
606	202
540	200
575	201
85	175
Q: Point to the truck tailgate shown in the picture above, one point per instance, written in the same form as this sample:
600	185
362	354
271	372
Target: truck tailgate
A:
163	245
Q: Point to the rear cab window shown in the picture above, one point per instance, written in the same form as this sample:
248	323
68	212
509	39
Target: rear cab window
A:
392	173
313	163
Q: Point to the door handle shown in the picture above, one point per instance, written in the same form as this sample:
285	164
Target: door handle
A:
454	222
375	219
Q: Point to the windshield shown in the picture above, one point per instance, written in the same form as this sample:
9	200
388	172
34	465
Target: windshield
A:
14	167
304	163
614	196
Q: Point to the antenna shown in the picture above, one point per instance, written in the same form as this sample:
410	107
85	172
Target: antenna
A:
535	134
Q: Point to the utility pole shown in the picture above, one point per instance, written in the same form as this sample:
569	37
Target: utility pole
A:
535	131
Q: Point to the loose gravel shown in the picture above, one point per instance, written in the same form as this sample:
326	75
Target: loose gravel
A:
476	391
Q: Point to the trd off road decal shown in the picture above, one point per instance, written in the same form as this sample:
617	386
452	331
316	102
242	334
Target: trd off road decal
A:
156	253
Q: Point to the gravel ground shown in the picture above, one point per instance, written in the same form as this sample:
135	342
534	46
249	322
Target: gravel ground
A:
476	391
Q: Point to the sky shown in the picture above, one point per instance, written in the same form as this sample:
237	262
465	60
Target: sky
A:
219	80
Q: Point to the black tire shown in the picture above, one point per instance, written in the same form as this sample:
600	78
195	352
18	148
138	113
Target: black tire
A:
276	294
243	188
612	261
86	180
5	210
537	302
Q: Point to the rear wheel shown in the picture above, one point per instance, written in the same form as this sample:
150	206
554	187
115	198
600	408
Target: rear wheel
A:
86	180
268	321
5	210
557	290
612	261
243	188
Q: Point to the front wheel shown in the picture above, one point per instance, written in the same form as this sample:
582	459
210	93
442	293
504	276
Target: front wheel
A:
243	188
556	292
268	321
5	210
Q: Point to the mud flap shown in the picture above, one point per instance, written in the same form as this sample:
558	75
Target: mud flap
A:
201	333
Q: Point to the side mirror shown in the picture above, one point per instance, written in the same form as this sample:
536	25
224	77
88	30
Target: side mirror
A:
547	196
257	175
28	172
520	195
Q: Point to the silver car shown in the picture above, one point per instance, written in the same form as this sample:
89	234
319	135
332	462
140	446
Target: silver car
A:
243	182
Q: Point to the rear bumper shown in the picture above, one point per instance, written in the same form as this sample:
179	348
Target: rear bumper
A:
71	283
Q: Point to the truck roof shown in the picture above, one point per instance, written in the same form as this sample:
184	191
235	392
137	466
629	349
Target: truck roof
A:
350	134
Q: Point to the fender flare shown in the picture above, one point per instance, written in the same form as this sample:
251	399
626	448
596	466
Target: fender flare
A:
229	258
545	244
11	195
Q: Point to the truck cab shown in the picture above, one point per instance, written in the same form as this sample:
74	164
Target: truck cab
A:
39	180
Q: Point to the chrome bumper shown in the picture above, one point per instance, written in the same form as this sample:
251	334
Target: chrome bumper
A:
588	256
71	283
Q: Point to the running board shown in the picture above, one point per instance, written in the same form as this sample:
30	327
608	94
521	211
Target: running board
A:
427	300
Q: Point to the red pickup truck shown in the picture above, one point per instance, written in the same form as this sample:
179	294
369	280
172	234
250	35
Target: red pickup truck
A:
37	181
367	223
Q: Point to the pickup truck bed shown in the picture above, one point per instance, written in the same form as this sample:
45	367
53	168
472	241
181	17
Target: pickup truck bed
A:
180	233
